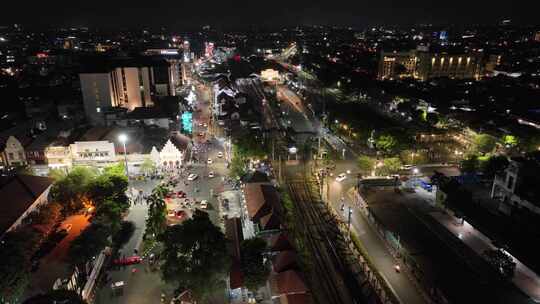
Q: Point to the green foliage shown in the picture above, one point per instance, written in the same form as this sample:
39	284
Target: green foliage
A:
495	165
124	234
470	164
248	147
484	143
117	169
16	250
89	243
502	262
387	143
390	166
510	141
148	166
195	255
57	174
157	211
253	267
432	118
366	164
239	162
70	191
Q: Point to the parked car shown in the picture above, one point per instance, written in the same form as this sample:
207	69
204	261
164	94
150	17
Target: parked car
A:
220	154
210	161
204	204
192	177
211	174
65	228
128	261
341	177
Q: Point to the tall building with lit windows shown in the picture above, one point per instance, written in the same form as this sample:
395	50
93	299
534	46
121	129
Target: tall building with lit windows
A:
125	84
424	65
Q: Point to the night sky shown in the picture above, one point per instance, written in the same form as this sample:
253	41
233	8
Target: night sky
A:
227	14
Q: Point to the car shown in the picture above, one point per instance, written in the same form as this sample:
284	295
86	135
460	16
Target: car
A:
204	204
180	213
210	161
341	177
211	174
181	194
220	154
205	125
128	261
192	177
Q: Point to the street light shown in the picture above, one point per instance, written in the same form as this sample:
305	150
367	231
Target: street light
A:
123	139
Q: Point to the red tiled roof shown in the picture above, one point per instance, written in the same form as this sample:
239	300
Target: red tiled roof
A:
285	260
236	277
256	205
280	242
296	299
18	193
270	222
289	282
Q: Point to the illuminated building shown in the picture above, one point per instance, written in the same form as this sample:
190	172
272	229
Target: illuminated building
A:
425	65
126	84
395	64
537	36
186	51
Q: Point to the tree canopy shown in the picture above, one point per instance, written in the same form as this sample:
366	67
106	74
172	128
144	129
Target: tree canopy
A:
71	190
484	143
253	266
195	255
89	243
366	164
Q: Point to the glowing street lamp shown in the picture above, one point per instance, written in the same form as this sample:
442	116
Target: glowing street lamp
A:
123	139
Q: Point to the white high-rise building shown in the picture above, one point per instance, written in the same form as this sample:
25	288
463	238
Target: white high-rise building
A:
125	84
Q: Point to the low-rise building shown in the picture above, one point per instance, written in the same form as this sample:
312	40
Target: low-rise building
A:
517	187
12	152
22	194
93	153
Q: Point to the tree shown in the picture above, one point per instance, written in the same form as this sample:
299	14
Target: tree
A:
57	174
70	192
495	165
390	166
366	164
386	143
510	141
148	166
157	211
124	234
253	268
484	143
16	250
89	243
195	255
502	262
469	164
432	118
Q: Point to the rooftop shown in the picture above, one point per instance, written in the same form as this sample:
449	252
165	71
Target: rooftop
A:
22	191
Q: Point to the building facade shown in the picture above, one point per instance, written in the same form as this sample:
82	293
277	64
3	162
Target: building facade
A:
130	85
92	153
517	187
12	153
425	65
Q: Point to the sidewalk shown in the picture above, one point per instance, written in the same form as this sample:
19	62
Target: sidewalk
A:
384	261
524	278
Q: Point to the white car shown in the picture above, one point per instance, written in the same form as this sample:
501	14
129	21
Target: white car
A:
204	204
220	154
211	174
209	161
192	177
341	177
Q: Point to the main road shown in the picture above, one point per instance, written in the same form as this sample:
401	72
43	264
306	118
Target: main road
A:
404	288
